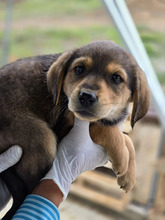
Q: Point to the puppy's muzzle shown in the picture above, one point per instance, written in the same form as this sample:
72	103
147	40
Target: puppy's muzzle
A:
87	99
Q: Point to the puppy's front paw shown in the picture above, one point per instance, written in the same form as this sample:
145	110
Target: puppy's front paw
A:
128	180
120	165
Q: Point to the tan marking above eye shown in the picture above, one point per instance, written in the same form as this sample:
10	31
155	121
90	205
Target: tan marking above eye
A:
86	61
114	68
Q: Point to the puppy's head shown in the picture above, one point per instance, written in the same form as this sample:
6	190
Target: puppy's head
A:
100	80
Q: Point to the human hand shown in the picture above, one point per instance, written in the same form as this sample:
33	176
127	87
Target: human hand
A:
8	159
76	154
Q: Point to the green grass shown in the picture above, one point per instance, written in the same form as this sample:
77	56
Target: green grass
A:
154	42
161	77
31	42
28	8
149	35
26	41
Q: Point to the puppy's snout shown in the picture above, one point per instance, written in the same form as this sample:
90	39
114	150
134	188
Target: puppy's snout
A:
87	98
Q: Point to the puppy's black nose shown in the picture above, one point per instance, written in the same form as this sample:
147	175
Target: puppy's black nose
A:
87	98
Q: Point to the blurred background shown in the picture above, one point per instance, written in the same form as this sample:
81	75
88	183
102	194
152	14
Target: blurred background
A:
29	28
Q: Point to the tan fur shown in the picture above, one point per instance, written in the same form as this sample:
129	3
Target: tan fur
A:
112	139
87	60
116	68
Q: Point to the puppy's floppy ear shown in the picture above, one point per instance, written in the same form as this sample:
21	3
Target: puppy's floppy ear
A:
141	97
56	73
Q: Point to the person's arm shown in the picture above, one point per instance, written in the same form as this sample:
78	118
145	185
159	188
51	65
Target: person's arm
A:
10	157
76	153
49	190
37	207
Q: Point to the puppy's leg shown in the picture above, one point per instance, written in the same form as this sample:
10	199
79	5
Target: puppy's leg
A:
112	139
39	148
127	181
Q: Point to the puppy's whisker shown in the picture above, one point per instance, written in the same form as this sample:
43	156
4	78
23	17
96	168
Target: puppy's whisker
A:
69	114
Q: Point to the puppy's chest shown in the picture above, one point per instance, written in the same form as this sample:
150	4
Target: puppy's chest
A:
62	124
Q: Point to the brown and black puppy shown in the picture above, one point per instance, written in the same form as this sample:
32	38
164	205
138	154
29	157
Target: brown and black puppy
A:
40	96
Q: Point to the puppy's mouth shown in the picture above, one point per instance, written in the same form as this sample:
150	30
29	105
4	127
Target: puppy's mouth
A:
85	106
86	114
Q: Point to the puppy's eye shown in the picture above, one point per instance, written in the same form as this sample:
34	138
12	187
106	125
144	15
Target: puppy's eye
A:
116	79
79	69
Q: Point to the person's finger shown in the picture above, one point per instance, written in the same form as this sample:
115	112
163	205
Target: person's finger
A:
100	155
80	124
10	157
80	130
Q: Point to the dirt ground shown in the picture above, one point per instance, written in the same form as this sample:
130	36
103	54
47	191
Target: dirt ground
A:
151	13
79	210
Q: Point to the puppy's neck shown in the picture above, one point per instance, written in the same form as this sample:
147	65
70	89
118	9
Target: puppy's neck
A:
115	121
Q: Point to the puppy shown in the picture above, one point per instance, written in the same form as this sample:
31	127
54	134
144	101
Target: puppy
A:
40	96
